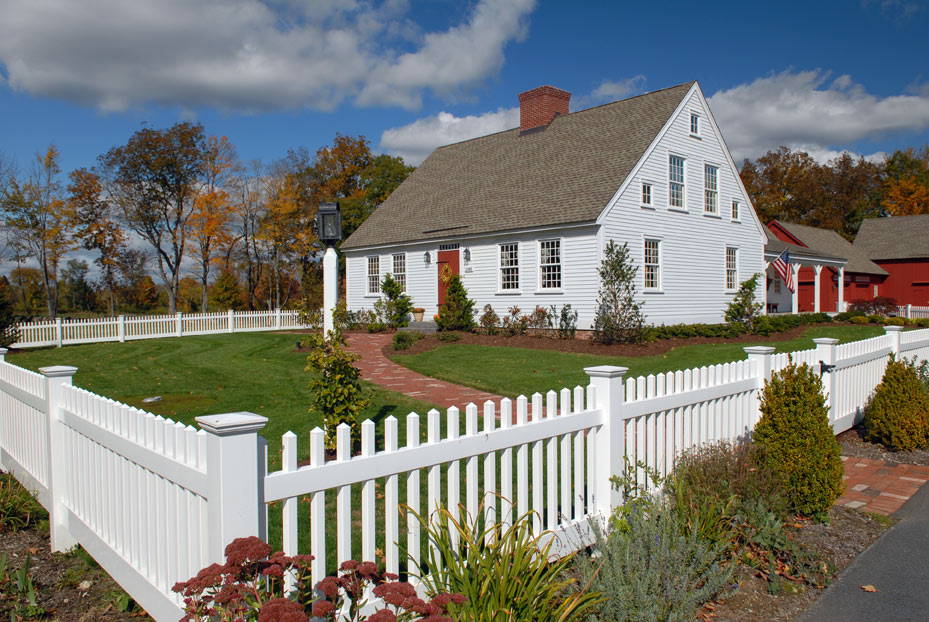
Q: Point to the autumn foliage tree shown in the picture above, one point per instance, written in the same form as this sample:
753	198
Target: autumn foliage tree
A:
154	179
35	215
906	184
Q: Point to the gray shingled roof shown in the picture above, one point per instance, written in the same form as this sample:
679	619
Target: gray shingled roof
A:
828	241
774	247
897	237
565	173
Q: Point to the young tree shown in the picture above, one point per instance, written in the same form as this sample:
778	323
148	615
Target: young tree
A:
154	180
35	216
395	306
619	317
249	208
278	230
94	223
209	222
743	308
78	292
458	311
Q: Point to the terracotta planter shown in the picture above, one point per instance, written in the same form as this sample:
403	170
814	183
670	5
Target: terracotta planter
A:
418	316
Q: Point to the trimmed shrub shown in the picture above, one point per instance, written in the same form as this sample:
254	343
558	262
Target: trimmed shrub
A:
458	311
798	441
877	318
898	415
846	316
860	319
894	321
394	308
403	340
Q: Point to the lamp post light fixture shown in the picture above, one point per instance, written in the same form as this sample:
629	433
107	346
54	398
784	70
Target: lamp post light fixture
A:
329	231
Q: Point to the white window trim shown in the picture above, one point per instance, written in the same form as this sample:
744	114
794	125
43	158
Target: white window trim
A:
368	292
735	288
698	133
393	266
561	264
706	212
651	194
683	185
660	288
738	217
519	276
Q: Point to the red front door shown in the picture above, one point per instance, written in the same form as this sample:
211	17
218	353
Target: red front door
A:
448	265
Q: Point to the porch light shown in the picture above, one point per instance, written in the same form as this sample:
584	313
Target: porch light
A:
329	223
427	258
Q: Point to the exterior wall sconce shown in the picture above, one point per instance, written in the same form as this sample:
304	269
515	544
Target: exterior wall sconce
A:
427	259
467	255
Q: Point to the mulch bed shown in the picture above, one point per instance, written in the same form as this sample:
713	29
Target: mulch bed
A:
853	444
68	588
847	534
587	346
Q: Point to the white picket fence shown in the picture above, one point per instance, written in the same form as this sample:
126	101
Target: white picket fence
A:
61	332
913	311
153	501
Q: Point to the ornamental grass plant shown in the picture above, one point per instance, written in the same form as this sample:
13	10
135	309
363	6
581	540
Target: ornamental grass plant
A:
504	571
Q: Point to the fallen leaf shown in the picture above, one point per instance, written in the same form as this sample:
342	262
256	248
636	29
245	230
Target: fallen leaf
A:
33	551
868	588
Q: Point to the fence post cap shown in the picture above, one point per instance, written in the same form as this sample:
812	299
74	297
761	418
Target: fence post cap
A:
230	424
826	341
893	329
606	371
3	351
58	371
759	349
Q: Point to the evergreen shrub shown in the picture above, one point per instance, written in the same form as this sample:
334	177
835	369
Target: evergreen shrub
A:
394	308
894	321
797	440
860	319
743	308
458	311
898	414
336	387
619	317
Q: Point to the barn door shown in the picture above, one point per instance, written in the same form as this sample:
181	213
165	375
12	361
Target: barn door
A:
448	265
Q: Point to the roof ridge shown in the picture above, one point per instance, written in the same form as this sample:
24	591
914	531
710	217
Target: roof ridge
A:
570	114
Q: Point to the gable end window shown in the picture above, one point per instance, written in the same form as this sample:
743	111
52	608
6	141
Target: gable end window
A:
711	189
652	263
646	193
550	264
509	266
732	268
374	275
676	181
735	209
777	285
400	270
694	124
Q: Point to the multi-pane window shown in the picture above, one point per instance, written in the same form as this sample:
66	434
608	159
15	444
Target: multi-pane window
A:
694	124
735	209
374	275
400	270
550	264
646	193
509	266
711	189
676	181
732	268
777	285
652	262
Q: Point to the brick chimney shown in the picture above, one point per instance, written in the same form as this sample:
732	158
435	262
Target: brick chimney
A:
540	105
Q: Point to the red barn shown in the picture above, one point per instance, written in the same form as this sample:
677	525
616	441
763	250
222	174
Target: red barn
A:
899	245
862	277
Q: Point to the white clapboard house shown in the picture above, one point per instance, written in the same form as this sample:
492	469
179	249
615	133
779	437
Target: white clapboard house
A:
524	215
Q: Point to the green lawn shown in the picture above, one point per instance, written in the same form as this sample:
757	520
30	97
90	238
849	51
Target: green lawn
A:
518	371
256	372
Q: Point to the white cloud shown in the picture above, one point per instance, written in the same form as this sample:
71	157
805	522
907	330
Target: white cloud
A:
248	55
808	109
610	91
418	139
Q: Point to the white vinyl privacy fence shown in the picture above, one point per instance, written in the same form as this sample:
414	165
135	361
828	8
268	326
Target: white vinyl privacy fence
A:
62	332
154	501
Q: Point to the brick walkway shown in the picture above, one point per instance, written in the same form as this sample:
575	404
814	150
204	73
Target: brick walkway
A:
876	486
377	368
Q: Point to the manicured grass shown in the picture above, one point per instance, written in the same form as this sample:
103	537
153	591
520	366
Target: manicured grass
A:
518	371
256	372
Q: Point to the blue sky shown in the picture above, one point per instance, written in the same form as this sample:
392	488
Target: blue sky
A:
410	75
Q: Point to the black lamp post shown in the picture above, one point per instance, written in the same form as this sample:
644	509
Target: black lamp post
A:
329	223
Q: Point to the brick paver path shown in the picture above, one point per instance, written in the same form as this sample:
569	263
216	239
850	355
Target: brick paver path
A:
377	368
880	487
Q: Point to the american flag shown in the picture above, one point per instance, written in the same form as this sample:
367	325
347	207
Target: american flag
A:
782	265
